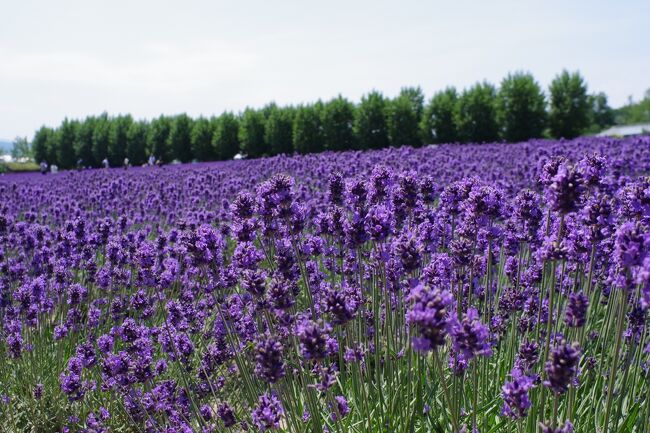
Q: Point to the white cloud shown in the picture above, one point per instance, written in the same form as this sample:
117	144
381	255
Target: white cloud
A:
158	68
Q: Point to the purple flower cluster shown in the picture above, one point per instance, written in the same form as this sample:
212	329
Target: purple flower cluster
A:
430	314
381	291
516	401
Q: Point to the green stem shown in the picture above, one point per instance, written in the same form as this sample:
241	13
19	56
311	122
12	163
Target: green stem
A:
445	389
617	349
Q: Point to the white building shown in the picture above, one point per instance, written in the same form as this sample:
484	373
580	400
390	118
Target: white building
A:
626	130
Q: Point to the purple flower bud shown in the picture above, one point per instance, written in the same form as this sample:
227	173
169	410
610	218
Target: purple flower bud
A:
336	188
206	412
470	336
267	415
429	313
226	415
566	428
631	245
562	366
268	357
515	395
565	190
341	409
576	311
527	356
313	339
38	391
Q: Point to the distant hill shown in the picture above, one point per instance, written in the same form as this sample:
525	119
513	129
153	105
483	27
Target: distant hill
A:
5	146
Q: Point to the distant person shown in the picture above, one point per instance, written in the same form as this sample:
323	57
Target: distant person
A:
54	169
159	163
152	160
125	164
43	167
105	163
80	164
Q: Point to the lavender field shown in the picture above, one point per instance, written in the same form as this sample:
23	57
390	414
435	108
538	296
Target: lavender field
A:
474	288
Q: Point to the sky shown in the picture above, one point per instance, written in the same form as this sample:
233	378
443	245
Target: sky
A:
73	58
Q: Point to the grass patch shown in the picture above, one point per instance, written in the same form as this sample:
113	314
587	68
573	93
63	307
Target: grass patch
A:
9	167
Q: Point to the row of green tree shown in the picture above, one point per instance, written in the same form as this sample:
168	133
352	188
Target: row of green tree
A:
518	110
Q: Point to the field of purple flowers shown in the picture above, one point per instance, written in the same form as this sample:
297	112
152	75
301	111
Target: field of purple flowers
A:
487	288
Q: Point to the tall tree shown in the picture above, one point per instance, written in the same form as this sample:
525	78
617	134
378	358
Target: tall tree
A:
569	114
521	107
226	136
438	124
338	119
83	146
268	109
252	133
179	139
475	114
40	144
136	142
308	130
21	148
101	137
403	122
201	138
158	139
118	139
278	130
416	97
65	139
601	115
370	126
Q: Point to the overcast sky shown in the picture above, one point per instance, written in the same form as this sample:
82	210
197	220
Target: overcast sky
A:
75	58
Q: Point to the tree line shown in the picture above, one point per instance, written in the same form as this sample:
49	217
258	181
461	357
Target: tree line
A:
517	110
634	112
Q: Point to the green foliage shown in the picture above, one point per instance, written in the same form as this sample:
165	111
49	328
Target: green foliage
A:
370	123
201	139
83	145
601	115
52	154
64	141
158	138
136	143
278	131
179	140
268	109
403	122
226	136
634	112
40	143
521	107
475	114
251	133
338	120
17	167
21	148
118	139
416	98
437	124
569	113
308	130
101	138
